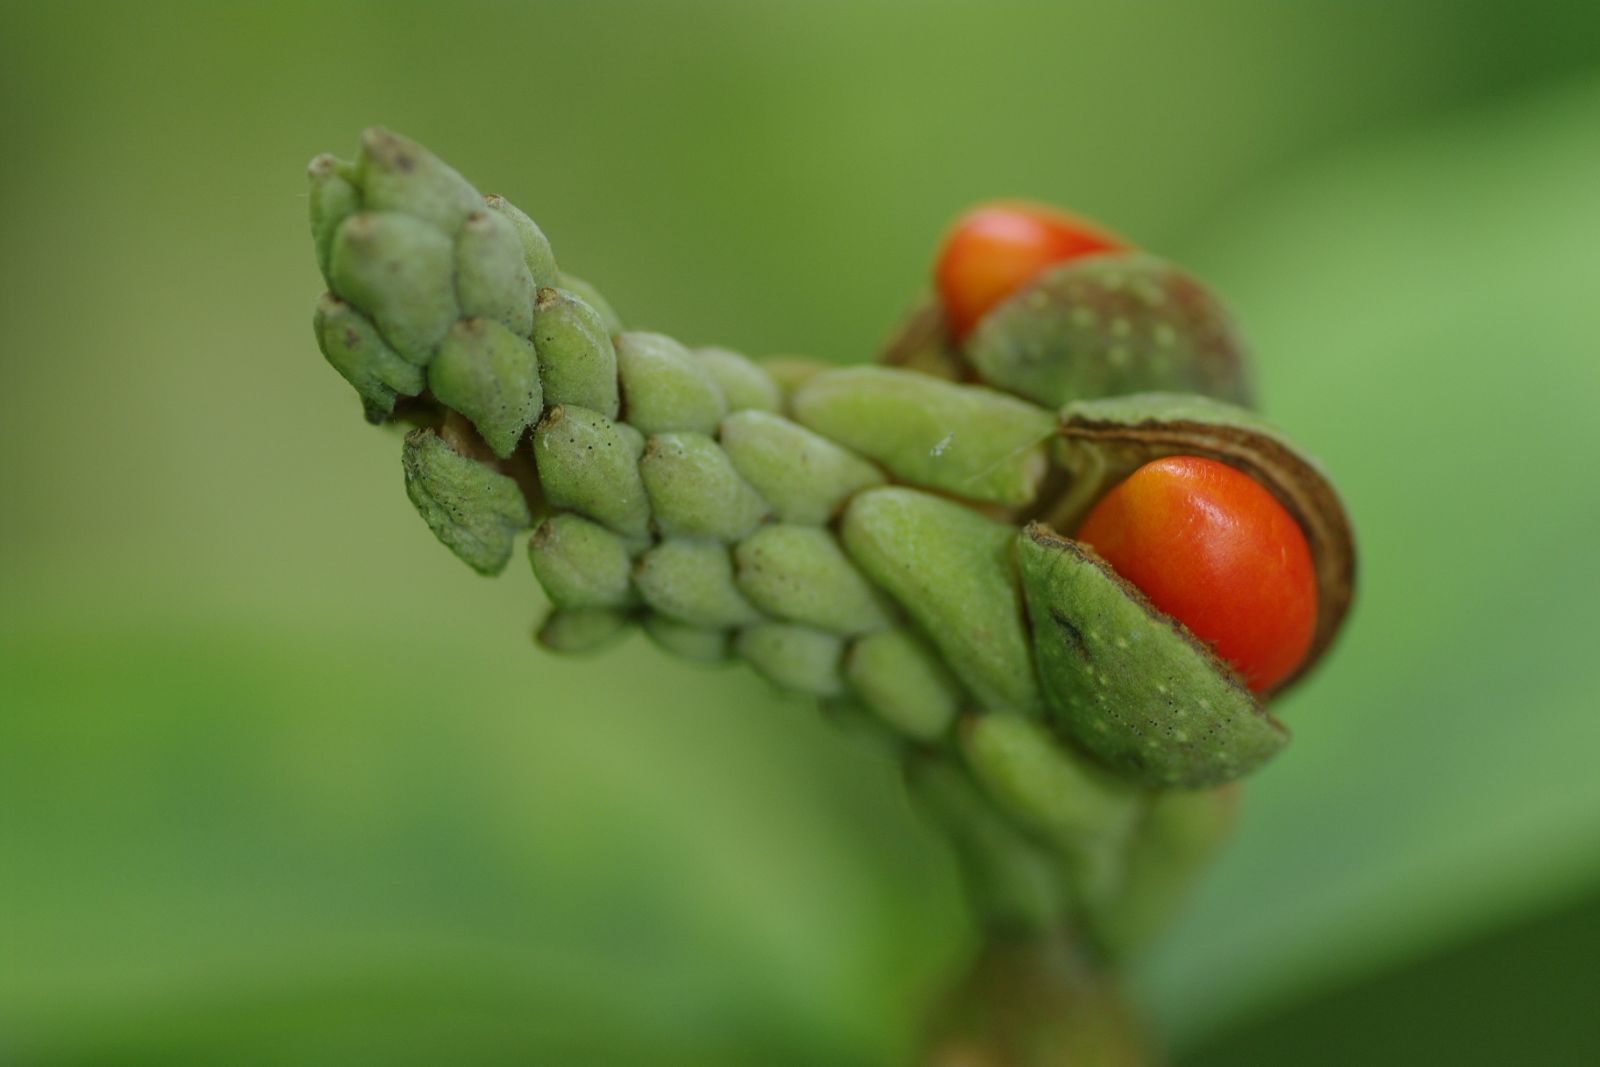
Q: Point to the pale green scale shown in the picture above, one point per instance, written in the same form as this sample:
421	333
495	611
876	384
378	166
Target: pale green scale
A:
692	582
799	573
695	491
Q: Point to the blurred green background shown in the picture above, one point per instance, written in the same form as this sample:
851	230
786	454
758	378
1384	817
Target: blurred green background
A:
282	783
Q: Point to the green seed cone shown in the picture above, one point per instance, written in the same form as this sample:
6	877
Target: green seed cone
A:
581	564
594	298
695	491
591	465
805	477
1128	683
357	351
901	680
473	508
794	658
576	358
799	574
951	570
491	376
692	582
665	388
744	384
961	439
400	271
492	281
1109	325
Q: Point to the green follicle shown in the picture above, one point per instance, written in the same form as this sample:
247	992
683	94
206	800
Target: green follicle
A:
355	349
537	255
664	388
581	564
592	296
1131	685
698	644
797	659
693	582
397	174
474	509
792	372
951	570
590	465
491	376
1108	325
1084	813
966	440
333	199
576	358
799	574
492	282
583	630
744	384
804	476
897	676
695	491
400	271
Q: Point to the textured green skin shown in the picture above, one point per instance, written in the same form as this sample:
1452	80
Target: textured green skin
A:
1108	325
1131	685
966	440
693	582
581	564
577	362
694	490
491	376
474	509
739	531
806	477
799	574
901	678
950	570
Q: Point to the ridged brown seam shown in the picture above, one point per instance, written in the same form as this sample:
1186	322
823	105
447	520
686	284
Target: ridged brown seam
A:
1292	479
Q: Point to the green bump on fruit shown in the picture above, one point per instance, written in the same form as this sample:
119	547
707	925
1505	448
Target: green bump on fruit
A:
333	199
589	294
901	679
697	643
397	174
951	570
1108	325
695	491
1082	809
400	271
474	509
1130	684
664	388
536	252
491	376
581	564
799	573
583	630
692	582
590	465
355	349
794	658
962	439
744	384
576	359
492	282
791	372
803	475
